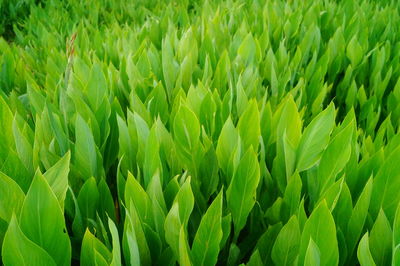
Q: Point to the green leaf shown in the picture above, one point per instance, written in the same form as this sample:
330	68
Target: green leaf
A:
185	199
88	199
57	177
6	134
178	215
134	228
11	197
363	253
313	255
184	256
386	186
320	226
249	126
19	250
315	138
135	193
287	243
96	87
396	233
94	252
42	221
130	246
207	240
358	217
116	251
227	143
186	133
85	149
380	240
255	259
152	162
241	192
169	65
335	157
354	52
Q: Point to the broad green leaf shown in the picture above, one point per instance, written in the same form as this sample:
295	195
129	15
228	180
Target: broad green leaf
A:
178	216
287	243
242	190
320	226
255	259
135	193
22	143
85	149
134	226
94	252
207	240
386	187
169	65
42	221
57	177
363	253
313	255
186	132
380	240
335	157
88	199
315	139
172	228
96	87
354	51
130	246
186	201
6	134
11	197
227	143
358	217
152	162
19	250
249	126
292	196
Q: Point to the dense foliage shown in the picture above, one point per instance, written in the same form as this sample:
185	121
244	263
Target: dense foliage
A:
199	132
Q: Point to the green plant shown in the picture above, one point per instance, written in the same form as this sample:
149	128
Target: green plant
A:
200	133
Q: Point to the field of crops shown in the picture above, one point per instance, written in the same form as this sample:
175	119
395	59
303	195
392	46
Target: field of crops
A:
182	132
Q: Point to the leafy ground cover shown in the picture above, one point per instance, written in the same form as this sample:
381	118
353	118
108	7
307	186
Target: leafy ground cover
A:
199	132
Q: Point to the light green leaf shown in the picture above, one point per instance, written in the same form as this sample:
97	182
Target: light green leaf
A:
249	126
19	250
207	240
287	243
363	253
57	177
335	157
380	240
315	138
186	132
85	149
227	143
116	251
96	87
184	256
242	190
358	217
42	221
386	187
11	197
320	226
313	255
354	51
94	252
